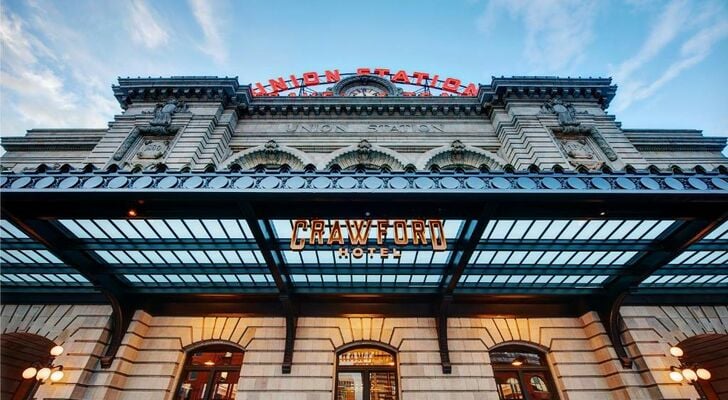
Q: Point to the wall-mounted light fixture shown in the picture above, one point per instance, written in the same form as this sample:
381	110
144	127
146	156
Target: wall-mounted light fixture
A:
689	372
43	373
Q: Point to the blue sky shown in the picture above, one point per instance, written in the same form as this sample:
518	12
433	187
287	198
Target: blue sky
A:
669	58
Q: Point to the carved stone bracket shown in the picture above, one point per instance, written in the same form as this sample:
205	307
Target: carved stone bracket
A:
291	323
441	325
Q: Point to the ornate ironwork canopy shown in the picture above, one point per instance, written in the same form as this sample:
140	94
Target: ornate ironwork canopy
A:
521	243
535	233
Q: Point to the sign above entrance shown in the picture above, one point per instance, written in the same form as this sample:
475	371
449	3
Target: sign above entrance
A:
354	236
365	82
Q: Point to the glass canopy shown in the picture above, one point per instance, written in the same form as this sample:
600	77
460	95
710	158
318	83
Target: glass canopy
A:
703	264
579	255
226	255
27	263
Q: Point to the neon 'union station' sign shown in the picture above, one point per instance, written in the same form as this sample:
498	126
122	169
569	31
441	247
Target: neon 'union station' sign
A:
413	83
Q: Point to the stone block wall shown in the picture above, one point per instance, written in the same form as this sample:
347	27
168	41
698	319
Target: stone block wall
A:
82	330
650	331
580	355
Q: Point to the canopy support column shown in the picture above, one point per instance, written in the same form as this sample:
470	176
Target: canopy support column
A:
441	325
121	315
291	324
611	320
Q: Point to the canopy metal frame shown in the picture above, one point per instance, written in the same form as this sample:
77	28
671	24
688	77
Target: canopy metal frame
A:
36	210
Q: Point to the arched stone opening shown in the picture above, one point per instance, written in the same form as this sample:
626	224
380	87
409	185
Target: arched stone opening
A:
522	372
708	351
365	156
459	156
366	370
269	156
211	370
18	352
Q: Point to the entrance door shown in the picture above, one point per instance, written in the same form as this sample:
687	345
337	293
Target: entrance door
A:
522	374
366	374
211	373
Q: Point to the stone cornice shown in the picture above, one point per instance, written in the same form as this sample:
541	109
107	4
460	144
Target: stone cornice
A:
230	92
192	88
84	143
542	88
674	140
364	106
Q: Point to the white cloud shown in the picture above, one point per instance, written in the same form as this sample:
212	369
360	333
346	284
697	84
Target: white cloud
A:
704	27
144	26
695	50
35	90
663	32
557	32
209	22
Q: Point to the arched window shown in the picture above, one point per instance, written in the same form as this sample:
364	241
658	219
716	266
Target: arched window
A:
366	372
521	373
210	372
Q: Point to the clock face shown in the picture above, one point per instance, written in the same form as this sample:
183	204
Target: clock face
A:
366	91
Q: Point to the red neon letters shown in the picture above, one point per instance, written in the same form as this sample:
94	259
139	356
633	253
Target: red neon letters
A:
448	85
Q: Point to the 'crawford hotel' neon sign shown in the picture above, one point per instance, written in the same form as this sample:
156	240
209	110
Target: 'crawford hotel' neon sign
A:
354	239
424	81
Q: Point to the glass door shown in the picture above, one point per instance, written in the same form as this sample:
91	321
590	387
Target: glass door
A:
366	374
522	374
509	386
210	373
224	385
382	386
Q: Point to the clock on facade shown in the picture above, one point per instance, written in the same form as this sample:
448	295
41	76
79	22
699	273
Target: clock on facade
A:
364	91
364	86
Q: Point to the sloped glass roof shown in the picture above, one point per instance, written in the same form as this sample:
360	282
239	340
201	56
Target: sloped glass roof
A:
580	255
175	255
703	264
27	263
381	267
223	255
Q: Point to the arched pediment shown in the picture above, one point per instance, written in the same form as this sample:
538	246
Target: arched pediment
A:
459	155
271	155
366	154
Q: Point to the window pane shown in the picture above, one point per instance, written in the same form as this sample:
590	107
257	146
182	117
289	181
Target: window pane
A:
509	386
350	386
382	386
366	356
193	386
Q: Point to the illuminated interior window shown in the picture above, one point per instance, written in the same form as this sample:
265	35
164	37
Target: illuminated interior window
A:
366	372
522	373
210	372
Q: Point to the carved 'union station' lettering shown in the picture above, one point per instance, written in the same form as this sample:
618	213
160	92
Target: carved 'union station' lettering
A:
371	128
316	128
394	128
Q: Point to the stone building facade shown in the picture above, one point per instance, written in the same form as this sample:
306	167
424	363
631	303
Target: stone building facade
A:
186	132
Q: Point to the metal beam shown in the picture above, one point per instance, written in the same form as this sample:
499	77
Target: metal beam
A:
441	326
114	290
669	246
263	233
291	324
464	247
672	244
611	319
